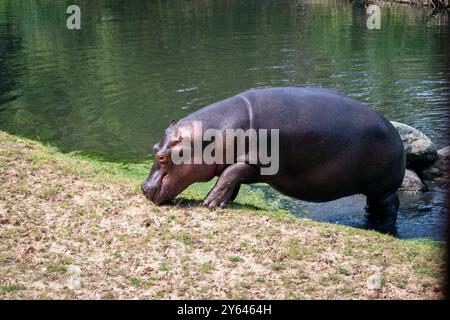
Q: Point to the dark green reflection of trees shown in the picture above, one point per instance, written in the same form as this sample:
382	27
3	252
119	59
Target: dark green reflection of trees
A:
112	87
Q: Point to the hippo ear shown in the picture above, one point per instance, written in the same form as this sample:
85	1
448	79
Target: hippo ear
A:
175	141
172	122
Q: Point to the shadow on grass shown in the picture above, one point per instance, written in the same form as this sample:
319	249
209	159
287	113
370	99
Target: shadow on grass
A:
182	202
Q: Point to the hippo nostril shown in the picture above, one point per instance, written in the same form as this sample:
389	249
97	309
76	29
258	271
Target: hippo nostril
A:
148	191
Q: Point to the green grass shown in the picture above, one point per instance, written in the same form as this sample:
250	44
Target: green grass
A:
185	238
13	287
277	266
57	268
164	267
207	267
235	259
293	249
343	271
182	250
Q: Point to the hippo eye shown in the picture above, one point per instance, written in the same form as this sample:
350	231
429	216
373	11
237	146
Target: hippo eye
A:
163	159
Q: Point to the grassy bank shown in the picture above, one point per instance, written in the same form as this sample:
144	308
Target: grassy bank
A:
422	3
72	228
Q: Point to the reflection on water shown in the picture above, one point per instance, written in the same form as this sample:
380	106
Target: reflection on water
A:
111	88
421	215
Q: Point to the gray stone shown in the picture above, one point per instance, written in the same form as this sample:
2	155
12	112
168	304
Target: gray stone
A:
375	281
74	281
438	170
411	182
444	153
420	150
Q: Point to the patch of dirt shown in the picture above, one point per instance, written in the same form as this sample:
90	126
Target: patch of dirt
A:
68	235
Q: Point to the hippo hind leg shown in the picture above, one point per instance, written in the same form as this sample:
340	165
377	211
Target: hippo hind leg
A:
382	212
388	204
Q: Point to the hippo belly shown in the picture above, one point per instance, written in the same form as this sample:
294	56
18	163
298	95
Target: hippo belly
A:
331	146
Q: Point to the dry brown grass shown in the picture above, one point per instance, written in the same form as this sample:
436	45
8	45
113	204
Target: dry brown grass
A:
58	213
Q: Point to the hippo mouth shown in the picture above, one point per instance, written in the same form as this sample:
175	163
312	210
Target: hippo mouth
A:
158	194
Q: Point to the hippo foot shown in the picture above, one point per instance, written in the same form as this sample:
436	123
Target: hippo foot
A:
228	184
382	213
382	223
220	196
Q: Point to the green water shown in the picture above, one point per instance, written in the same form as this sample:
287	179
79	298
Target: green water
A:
111	88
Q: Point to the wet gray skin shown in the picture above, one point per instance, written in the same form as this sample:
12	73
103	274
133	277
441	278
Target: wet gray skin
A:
330	145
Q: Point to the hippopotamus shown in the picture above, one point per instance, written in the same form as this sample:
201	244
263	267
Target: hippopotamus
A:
330	146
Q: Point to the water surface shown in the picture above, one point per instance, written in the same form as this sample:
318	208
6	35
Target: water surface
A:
111	88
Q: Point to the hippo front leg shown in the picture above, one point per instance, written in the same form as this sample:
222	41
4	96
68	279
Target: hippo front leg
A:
229	181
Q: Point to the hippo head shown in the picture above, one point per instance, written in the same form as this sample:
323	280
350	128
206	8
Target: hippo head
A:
169	178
